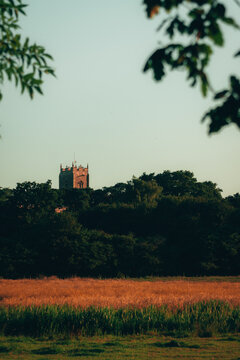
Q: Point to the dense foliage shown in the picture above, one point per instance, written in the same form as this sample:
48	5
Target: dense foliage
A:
164	224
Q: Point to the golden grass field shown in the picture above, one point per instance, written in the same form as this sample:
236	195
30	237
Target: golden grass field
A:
115	293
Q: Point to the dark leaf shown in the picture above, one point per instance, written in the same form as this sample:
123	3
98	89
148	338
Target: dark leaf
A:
221	94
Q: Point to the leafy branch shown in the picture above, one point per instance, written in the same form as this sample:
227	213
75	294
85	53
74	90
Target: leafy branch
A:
200	22
20	61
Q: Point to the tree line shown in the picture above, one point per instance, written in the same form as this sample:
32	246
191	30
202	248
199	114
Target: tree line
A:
164	224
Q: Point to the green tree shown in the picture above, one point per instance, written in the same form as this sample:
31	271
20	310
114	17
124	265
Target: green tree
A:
198	21
32	201
145	192
234	200
177	183
76	199
117	193
5	194
20	61
183	183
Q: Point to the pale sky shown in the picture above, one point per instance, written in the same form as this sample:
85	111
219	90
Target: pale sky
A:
103	108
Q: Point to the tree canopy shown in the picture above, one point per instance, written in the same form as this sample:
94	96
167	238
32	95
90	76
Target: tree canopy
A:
194	27
164	224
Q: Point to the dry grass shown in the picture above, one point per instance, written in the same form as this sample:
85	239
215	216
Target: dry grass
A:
115	293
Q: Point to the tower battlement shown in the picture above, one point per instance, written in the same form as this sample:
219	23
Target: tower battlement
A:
74	177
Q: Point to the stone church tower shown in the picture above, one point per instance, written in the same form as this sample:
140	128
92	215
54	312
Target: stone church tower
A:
73	177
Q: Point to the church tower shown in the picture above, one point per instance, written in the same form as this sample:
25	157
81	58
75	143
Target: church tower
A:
73	177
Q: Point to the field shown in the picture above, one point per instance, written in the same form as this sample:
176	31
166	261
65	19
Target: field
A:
115	348
118	293
77	318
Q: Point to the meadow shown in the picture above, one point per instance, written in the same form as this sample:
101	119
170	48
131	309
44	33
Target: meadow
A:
157	318
89	307
119	293
140	347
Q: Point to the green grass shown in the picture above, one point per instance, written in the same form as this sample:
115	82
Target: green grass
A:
204	319
128	347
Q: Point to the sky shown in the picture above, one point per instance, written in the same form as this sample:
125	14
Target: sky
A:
104	111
